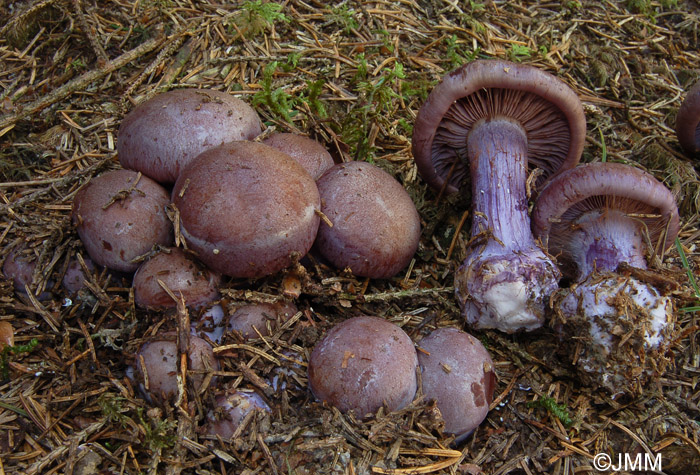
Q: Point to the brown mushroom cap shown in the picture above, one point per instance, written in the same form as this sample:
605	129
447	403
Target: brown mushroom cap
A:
161	135
7	334
120	216
688	122
548	110
180	273
247	209
157	369
458	372
376	227
74	277
249	318
308	152
19	268
604	186
362	364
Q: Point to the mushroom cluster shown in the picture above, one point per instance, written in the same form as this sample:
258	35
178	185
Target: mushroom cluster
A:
366	363
202	197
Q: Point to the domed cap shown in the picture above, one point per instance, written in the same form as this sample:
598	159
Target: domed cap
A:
458	372
376	227
160	136
182	275
548	110
247	209
120	215
362	364
688	122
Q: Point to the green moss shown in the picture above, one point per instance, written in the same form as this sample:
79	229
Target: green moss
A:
9	351
558	410
254	17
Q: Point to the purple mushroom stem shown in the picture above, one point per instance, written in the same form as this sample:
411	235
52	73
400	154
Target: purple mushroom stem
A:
507	279
604	241
499	172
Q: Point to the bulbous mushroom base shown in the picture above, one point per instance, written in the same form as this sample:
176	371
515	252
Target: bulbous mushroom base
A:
617	331
506	292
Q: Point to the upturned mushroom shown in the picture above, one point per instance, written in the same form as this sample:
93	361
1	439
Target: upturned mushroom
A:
595	218
487	122
688	122
163	134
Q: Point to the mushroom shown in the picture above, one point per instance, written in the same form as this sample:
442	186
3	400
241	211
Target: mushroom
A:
120	216
161	135
252	320
7	334
308	152
489	119
157	366
595	218
19	268
209	323
362	364
247	209
688	122
458	372
231	409
181	274
375	226
74	277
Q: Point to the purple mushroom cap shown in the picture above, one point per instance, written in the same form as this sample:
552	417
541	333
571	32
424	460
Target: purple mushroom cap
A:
120	216
163	134
688	122
247	209
376	227
458	372
181	274
362	364
157	366
308	152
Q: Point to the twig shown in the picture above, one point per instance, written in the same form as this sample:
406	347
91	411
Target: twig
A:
7	122
61	450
